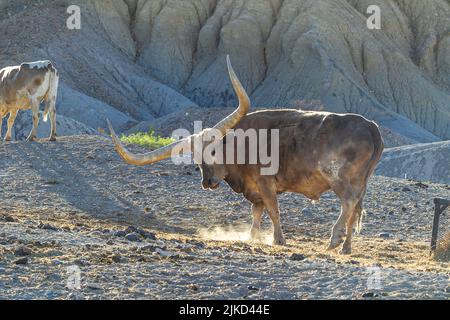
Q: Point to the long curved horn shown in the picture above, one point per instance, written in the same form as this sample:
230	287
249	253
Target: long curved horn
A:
166	152
147	158
244	103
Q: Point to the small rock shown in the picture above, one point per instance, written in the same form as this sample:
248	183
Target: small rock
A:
57	262
51	182
252	288
406	189
163	253
370	295
384	235
146	234
46	226
307	212
297	257
131	229
150	248
22	251
120	233
133	237
81	262
21	261
94	286
8	218
447	289
118	258
404	209
149	235
193	287
421	185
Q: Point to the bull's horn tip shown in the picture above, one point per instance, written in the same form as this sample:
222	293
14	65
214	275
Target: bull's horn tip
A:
109	126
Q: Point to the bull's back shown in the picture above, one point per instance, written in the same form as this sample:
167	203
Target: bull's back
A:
308	138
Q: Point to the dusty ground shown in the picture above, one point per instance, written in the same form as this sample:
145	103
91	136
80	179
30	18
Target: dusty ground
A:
68	203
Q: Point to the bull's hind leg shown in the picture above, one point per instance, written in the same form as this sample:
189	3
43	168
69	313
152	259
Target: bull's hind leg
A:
11	119
355	217
257	212
349	199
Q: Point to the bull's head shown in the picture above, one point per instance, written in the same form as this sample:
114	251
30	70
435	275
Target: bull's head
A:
212	172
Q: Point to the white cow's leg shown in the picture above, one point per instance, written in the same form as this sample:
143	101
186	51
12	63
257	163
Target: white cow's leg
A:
11	119
35	110
1	125
257	212
53	124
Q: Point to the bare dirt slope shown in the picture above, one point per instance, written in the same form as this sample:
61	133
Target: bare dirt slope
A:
69	203
148	59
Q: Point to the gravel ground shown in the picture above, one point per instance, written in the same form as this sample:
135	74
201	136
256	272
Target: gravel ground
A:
72	208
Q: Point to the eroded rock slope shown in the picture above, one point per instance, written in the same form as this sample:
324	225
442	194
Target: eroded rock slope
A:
150	58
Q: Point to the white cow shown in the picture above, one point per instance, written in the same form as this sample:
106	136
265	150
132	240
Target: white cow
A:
25	87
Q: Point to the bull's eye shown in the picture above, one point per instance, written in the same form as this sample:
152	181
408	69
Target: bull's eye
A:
213	153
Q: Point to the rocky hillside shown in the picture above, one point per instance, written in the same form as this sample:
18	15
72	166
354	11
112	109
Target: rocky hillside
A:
426	162
137	60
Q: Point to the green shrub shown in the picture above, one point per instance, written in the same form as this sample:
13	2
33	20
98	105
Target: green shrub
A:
148	140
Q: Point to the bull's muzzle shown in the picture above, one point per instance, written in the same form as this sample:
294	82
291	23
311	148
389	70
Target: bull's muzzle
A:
210	184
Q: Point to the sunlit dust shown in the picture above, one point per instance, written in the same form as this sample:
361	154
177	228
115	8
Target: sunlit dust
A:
235	233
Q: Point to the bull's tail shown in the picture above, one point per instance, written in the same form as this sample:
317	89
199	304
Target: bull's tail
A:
50	100
372	164
359	222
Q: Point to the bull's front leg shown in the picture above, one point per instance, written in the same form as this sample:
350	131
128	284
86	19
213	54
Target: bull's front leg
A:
269	195
257	212
35	110
11	119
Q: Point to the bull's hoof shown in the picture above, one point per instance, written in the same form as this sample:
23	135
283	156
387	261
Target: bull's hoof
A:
255	234
345	250
334	243
52	139
280	241
7	139
31	139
